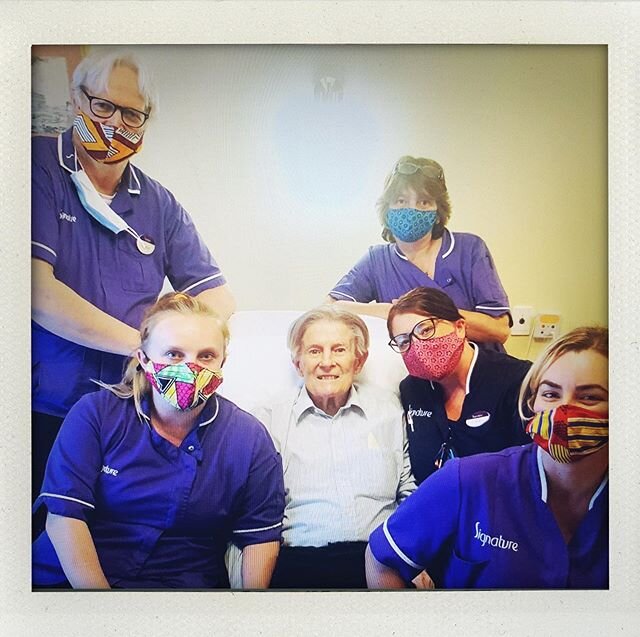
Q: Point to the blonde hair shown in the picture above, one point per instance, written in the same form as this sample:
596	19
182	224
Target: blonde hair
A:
580	339
429	181
328	313
134	383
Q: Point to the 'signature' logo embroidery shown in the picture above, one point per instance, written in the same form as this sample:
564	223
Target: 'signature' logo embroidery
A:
108	470
67	217
493	540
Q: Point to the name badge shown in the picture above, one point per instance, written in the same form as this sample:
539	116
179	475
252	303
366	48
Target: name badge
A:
145	245
478	419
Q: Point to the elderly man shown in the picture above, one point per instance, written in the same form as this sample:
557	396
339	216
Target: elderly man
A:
104	237
344	454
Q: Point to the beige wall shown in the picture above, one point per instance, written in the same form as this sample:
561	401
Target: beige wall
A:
282	185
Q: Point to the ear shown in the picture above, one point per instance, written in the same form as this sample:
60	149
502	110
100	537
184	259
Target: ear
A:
143	359
461	328
360	361
296	364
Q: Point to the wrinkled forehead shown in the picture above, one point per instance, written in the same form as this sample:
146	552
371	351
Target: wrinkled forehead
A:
328	331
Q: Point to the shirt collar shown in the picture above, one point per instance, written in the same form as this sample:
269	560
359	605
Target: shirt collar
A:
303	404
543	480
68	159
448	243
206	417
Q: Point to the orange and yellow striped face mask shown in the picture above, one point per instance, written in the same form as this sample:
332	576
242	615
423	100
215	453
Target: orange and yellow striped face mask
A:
568	433
106	143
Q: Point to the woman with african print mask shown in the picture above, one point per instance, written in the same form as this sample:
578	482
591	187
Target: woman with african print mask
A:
150	479
459	399
414	209
534	516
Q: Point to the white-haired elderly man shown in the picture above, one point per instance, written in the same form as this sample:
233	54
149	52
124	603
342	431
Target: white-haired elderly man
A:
104	237
344	454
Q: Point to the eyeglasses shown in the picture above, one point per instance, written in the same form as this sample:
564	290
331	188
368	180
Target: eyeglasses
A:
409	168
445	453
104	108
423	331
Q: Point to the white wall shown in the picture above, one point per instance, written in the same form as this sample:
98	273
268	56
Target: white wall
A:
282	185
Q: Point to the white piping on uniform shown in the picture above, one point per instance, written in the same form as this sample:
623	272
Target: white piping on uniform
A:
598	491
476	349
453	243
197	283
262	528
342	294
44	247
543	477
61	160
134	191
492	307
66	497
395	247
202	424
395	547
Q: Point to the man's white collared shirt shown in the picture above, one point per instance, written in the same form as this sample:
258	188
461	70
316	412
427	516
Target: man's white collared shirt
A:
344	475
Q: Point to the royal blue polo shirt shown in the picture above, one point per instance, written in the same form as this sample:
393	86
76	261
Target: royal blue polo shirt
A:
483	522
464	270
160	515
489	420
104	268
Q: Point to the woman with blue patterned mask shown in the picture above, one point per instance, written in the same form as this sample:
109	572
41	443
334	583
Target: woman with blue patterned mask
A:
420	252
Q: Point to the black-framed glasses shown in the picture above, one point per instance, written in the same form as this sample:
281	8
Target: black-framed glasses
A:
409	168
446	452
423	331
100	107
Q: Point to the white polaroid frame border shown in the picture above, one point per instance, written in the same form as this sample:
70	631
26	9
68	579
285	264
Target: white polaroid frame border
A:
616	25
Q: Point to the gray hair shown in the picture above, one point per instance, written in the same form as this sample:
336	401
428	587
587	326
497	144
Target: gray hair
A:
328	313
94	71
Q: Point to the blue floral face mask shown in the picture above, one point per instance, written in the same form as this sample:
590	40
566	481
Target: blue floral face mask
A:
410	224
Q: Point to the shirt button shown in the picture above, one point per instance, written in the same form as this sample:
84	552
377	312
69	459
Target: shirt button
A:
190	448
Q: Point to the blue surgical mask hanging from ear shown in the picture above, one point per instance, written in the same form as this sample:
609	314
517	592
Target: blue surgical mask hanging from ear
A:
410	224
100	210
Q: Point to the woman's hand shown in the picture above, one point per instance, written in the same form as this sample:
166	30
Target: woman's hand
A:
482	328
423	581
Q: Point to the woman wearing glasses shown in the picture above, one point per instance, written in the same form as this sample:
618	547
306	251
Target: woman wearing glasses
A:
414	209
104	236
459	399
528	517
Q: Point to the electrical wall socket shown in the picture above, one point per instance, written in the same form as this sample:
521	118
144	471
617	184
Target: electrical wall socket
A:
547	326
522	316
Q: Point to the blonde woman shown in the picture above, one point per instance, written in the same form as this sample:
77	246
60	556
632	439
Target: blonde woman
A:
150	479
534	516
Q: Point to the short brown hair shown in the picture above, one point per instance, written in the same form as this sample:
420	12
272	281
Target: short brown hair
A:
428	181
425	301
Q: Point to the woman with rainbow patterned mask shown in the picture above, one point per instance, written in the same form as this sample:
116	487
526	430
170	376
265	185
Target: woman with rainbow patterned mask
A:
150	479
534	516
414	209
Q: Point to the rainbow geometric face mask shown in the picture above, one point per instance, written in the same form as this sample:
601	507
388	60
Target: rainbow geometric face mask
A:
183	385
106	143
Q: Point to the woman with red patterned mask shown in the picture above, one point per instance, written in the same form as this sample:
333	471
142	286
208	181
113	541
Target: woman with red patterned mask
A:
459	400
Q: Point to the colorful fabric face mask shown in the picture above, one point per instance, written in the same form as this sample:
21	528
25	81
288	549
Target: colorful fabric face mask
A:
183	385
434	358
567	433
410	224
105	143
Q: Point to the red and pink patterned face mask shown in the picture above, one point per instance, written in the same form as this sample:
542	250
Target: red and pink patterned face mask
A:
183	385
434	358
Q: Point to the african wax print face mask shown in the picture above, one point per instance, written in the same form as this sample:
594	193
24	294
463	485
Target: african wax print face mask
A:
183	385
434	358
567	433
410	224
105	143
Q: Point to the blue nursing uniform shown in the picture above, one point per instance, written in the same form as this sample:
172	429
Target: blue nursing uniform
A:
464	270
483	522
161	516
104	268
